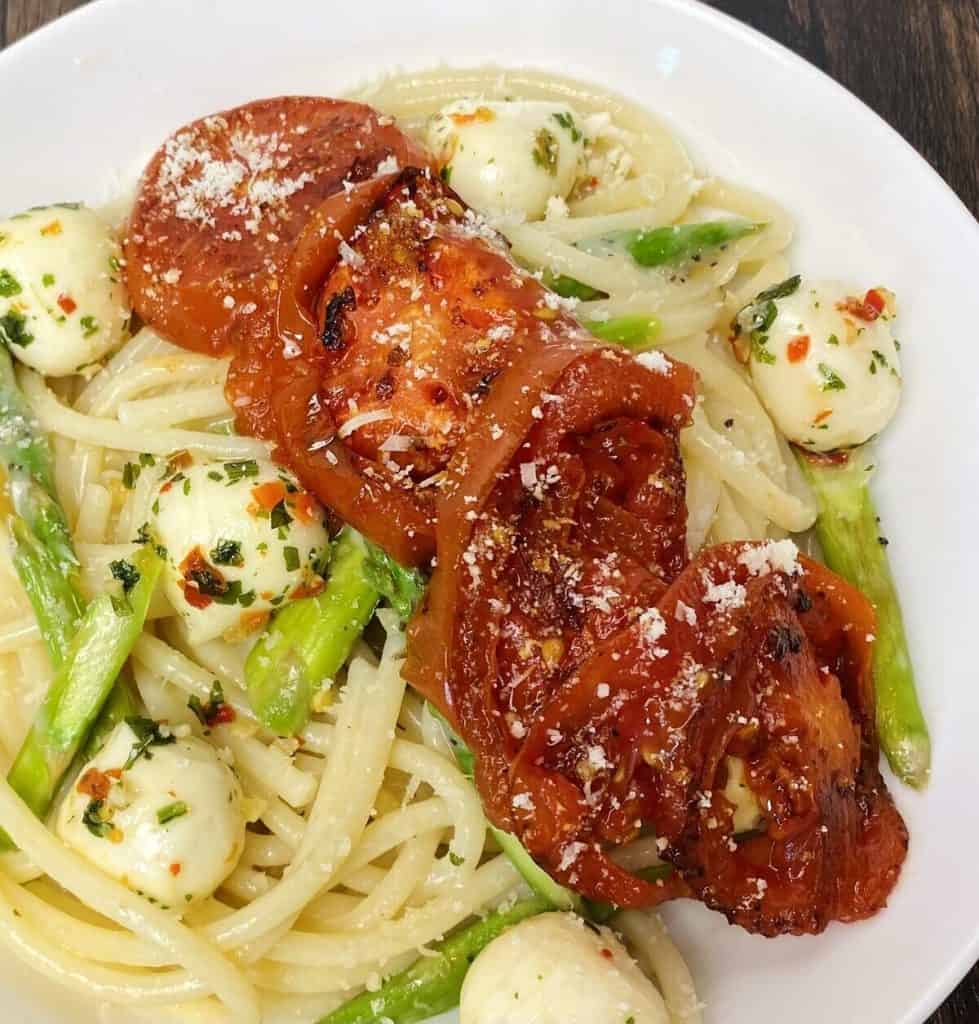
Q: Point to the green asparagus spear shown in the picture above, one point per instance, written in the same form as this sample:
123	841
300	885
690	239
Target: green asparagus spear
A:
121	705
671	246
43	555
50	586
571	287
557	896
98	650
848	529
632	332
433	983
402	588
310	639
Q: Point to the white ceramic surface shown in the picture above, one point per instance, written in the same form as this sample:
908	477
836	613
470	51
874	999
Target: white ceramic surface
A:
87	99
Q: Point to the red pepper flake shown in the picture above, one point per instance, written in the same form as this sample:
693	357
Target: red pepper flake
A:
67	304
798	348
269	495
869	308
175	869
94	784
308	588
223	714
607	953
304	506
202	581
824	415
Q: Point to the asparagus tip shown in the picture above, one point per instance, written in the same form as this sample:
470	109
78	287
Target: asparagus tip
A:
910	759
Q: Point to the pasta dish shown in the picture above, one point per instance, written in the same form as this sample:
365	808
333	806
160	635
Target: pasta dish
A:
437	532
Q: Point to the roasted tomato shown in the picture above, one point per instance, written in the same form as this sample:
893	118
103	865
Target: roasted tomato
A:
391	334
221	203
750	659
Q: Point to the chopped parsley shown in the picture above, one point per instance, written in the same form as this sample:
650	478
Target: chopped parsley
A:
758	350
92	819
13	329
186	487
446	174
171	812
232	594
454	858
878	359
89	326
227	552
279	518
782	290
47	280
147	735
125	572
130	474
9	285
215	711
832	381
213	474
832	340
239	470
145	459
566	121
545	152
291	557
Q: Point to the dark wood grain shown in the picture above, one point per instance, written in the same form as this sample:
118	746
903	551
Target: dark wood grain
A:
916	62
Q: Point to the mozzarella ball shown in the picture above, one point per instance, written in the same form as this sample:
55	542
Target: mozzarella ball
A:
241	540
63	305
169	826
827	367
553	969
508	158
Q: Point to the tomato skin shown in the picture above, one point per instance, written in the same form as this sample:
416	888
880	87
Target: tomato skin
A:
222	202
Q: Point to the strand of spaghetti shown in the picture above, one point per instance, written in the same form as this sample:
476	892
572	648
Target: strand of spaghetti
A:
170	664
117	903
409	870
368	712
728	524
89	941
643	190
770	272
395	828
703	493
576	229
50	959
93	516
244	885
744	476
170	372
468	822
296	787
142	345
716	376
533	246
275	977
65	422
416	927
653	144
174	407
17	632
658	956
266	851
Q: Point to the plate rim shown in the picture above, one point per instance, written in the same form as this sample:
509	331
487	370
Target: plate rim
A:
742	35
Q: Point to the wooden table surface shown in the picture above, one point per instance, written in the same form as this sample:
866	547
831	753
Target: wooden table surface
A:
916	62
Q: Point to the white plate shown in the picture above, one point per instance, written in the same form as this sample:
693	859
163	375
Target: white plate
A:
87	99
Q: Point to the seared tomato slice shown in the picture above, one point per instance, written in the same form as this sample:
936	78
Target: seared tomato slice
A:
221	203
